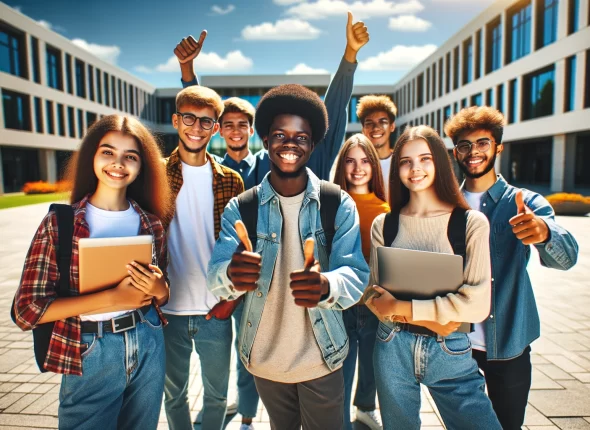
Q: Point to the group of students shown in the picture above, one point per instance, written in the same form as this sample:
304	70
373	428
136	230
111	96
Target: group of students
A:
304	310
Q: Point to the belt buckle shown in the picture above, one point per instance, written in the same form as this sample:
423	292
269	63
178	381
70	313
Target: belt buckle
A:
119	327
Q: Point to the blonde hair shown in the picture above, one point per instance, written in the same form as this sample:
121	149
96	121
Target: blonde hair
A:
200	97
238	105
375	103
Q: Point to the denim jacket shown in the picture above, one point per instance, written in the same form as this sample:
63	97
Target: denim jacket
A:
513	323
347	271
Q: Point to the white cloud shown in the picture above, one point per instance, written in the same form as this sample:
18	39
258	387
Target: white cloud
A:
321	9
234	61
110	54
285	29
18	8
287	2
45	24
400	57
304	69
408	23
219	10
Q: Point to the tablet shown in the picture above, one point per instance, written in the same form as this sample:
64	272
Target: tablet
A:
102	261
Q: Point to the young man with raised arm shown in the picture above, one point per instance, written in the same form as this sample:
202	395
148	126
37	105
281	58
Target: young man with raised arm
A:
519	219
201	188
292	337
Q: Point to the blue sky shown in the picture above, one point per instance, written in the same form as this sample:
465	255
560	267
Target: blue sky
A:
255	36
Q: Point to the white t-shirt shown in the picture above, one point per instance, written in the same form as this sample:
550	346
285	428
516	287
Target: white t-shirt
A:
191	238
478	336
385	168
110	224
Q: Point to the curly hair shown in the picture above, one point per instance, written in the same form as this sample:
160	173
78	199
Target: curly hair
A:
374	103
476	118
292	99
238	105
200	97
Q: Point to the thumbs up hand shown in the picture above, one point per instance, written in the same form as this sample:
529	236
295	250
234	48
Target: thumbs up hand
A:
526	226
244	267
309	285
188	48
357	36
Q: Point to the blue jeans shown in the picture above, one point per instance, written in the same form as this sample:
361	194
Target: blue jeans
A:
122	380
212	342
247	394
361	327
404	360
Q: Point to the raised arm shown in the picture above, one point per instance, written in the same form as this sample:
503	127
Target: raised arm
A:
186	51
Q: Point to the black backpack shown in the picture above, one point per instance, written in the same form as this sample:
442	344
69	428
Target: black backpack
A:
330	197
65	231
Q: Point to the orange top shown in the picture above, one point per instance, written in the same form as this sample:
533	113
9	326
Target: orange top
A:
368	207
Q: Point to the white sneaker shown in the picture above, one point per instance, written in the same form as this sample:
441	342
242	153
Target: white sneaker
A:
370	419
231	410
247	427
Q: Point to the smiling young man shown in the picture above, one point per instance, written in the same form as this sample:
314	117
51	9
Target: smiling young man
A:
294	342
518	219
377	115
201	188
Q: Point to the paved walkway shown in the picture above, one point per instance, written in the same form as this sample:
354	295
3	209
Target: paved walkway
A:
560	396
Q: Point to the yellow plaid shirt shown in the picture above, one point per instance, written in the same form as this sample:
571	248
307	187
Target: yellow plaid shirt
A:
226	184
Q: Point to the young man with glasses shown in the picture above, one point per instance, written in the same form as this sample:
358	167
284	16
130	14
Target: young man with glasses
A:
377	116
518	218
201	189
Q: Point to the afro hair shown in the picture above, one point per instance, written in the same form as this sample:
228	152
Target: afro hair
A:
292	99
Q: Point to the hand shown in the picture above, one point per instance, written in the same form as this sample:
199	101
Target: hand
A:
357	35
245	265
188	48
381	302
440	329
309	285
526	226
149	279
130	297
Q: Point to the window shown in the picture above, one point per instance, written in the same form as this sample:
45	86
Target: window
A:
573	16
107	95
114	92
581	171
478	54
587	79
38	115
530	162
448	74
494	45
91	83
121	100
131	100
456	107
500	99
54	68
352	109
440	77
12	51
69	81
456	72
476	100
546	22
538	94
80	123
467	61
80	79
125	97
446	115
71	122
570	84
464	103
420	90
61	121
35	60
17	114
513	100
90	118
519	32
49	109
98	87
166	107
490	97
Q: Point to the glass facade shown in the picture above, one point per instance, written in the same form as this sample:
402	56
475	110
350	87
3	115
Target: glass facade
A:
107	93
11	52
80	123
476	100
49	112
513	101
520	32
547	22
581	172
467	61
19	166
38	115
530	162
53	57
35	60
61	120
91	83
98	87
490	97
496	47
574	16
352	117
16	107
456	71
80	79
69	80
570	84
539	93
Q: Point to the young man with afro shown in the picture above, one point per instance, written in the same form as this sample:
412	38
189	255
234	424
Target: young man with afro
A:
292	337
518	219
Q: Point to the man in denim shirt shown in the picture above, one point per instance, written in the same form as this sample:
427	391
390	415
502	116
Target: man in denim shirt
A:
292	337
518	219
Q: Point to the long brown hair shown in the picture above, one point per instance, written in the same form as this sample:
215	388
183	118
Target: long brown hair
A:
376	183
445	183
150	189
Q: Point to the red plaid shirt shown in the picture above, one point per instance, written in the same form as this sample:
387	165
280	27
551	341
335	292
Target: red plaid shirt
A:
41	276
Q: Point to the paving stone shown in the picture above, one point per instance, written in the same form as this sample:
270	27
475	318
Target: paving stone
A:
9	398
22	403
571	423
43	388
42	403
535	418
22	420
538	359
582	377
22	378
25	388
543	382
7	387
564	363
553	372
571	402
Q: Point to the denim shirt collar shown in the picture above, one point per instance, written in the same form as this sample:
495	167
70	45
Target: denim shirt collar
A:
312	190
497	190
250	159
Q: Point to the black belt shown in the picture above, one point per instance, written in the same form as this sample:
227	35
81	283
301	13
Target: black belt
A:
116	325
417	329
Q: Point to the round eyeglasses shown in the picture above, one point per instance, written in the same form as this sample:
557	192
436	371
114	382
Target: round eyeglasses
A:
189	119
482	145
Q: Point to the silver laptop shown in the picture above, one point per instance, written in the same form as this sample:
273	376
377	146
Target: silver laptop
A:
420	275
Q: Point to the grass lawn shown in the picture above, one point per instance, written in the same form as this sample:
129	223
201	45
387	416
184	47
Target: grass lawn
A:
31	199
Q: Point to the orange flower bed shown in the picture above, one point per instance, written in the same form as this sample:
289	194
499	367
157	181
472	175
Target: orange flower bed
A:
42	187
567	197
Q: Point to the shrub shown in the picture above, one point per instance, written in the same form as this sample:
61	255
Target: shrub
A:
42	187
558	198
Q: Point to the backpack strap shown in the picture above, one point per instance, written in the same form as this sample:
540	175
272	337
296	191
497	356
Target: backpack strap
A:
456	232
65	232
248	205
390	228
330	198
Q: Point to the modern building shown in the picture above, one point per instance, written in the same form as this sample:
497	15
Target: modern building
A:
531	60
